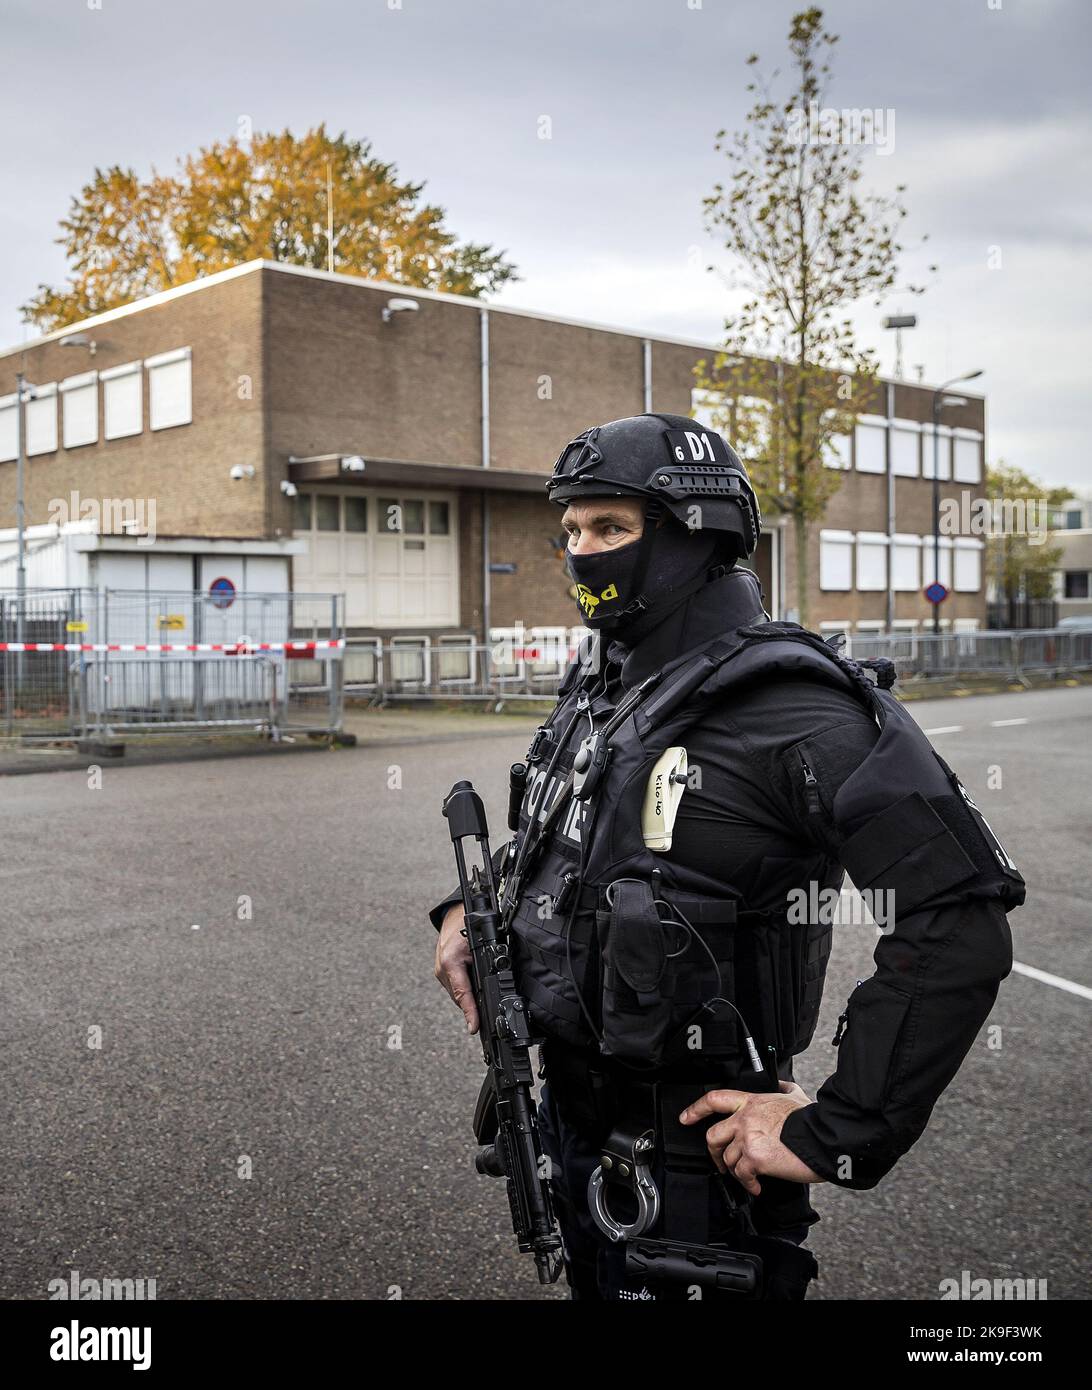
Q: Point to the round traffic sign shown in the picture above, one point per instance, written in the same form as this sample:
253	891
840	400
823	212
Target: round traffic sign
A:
222	592
936	592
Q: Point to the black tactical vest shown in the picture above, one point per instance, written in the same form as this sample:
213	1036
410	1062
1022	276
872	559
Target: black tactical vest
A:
638	957
621	951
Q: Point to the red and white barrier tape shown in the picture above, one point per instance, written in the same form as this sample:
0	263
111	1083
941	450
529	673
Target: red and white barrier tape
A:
240	648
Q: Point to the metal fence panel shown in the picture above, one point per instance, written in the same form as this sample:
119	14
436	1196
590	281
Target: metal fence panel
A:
168	660
226	682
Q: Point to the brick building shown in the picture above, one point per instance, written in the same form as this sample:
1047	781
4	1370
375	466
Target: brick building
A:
317	430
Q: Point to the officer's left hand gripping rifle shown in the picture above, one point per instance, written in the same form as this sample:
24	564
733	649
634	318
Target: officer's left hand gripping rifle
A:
505	1120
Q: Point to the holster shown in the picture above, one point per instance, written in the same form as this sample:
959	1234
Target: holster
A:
638	974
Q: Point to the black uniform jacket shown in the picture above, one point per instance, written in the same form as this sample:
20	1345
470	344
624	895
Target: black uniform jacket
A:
746	822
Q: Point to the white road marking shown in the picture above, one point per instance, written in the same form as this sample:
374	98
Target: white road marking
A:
1056	980
946	729
1004	723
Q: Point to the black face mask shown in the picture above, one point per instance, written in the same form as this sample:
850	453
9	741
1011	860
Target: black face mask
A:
615	586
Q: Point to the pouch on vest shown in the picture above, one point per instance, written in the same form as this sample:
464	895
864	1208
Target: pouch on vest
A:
638	974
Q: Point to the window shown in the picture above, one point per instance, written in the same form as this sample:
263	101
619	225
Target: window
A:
413	517
122	400
968	566
169	389
835	559
356	513
1076	584
9	428
905	447
967	460
80	410
927	575
301	509
871	560
870	448
751	430
943	446
906	563
437	518
41	421
1073	520
838	451
709	408
327	512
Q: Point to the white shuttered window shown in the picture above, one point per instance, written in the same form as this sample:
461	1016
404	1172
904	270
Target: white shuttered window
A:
9	428
80	410
41	417
871	560
169	389
906	564
905	438
968	566
870	446
836	560
123	400
967	466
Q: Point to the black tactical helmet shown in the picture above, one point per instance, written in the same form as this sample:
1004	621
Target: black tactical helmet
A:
689	470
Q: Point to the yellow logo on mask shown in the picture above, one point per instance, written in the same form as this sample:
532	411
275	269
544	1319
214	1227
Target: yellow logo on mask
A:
589	601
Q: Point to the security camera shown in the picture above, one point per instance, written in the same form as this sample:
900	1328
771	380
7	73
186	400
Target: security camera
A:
240	471
398	306
289	488
352	463
79	340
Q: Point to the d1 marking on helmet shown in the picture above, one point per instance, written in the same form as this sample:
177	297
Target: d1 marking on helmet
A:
692	446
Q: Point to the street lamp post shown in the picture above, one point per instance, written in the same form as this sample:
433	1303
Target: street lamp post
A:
23	392
938	405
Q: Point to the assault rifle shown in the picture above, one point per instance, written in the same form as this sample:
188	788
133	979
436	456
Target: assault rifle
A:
505	1120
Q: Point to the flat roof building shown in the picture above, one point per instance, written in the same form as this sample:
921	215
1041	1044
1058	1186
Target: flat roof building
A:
290	427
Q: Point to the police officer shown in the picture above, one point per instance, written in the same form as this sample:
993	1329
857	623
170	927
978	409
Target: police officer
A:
691	804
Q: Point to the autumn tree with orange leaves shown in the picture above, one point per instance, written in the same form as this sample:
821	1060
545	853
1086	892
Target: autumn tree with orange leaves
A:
262	198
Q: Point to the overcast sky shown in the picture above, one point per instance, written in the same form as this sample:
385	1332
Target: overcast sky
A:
992	136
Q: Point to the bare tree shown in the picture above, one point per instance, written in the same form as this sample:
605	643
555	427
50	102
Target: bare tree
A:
790	377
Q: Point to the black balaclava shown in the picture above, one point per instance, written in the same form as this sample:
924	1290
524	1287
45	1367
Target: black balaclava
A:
638	584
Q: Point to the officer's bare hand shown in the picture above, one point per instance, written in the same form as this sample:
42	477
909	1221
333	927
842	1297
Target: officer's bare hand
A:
452	965
749	1142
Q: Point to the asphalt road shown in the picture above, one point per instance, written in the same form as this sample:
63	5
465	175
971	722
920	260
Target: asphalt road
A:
310	1047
